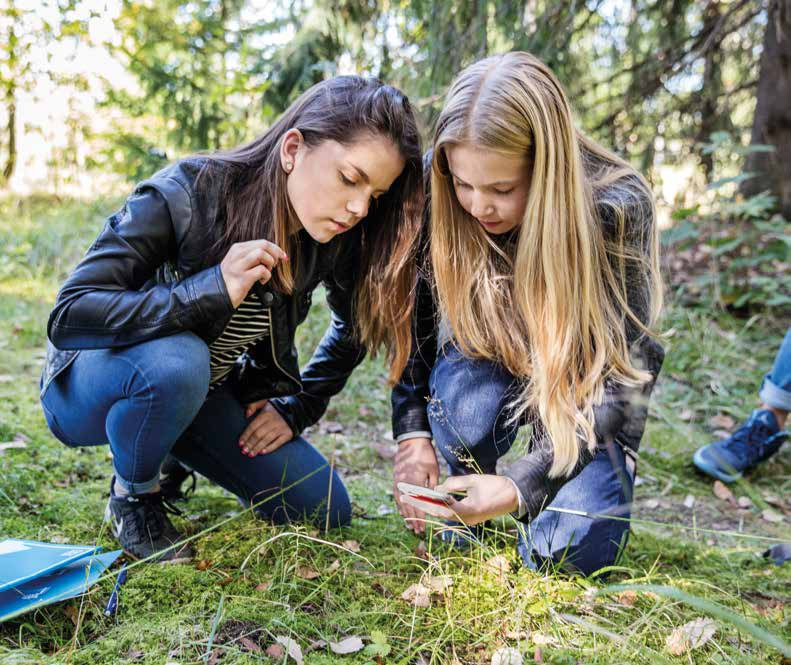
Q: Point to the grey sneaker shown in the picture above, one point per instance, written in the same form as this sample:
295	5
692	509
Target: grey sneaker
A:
142	526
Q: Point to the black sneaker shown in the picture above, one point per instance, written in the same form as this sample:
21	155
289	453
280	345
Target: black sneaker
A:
172	477
141	524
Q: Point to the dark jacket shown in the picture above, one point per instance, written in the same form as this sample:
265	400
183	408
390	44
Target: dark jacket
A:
620	418
147	276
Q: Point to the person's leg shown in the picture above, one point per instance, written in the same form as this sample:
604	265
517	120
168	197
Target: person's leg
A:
138	398
566	534
293	483
762	435
468	411
776	389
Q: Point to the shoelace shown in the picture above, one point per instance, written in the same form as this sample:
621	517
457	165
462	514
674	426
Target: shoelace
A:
751	441
148	519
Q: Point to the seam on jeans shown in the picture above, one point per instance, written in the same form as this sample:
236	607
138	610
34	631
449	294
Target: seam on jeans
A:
145	420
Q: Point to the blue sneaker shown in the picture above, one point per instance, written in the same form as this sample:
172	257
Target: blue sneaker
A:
755	441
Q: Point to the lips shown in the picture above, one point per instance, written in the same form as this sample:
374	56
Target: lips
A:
343	224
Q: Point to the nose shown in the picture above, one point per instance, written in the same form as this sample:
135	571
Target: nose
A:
358	207
480	205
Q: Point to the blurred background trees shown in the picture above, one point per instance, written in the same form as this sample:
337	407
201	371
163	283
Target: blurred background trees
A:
694	93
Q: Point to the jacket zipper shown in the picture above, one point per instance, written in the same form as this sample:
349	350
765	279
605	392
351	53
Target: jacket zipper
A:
274	355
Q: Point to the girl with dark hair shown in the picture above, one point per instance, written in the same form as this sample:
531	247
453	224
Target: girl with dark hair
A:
175	333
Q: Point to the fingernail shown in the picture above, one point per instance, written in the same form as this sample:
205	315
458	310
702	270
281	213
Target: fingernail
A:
287	259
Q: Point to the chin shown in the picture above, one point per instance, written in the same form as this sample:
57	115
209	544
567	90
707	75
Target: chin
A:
319	233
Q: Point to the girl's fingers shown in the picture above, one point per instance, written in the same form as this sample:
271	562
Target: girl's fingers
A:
253	407
282	440
430	508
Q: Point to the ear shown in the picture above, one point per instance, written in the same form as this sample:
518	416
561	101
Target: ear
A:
290	148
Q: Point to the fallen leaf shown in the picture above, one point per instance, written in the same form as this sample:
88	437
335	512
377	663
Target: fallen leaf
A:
249	644
690	636
333	427
721	421
293	649
384	509
507	656
744	502
500	566
651	504
335	565
772	499
417	595
203	564
723	492
539	639
689	501
687	414
440	583
517	634
351	545
421	551
628	597
307	573
275	651
769	515
385	450
134	654
73	613
379	588
364	410
348	645
263	586
8	445
315	645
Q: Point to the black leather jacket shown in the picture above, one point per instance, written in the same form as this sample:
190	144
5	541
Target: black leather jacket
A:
146	276
621	417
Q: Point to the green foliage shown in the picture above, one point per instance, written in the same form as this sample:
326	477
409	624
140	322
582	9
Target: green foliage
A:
742	249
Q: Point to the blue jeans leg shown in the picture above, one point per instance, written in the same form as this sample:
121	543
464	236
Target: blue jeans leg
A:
293	483
468	411
138	398
776	389
578	542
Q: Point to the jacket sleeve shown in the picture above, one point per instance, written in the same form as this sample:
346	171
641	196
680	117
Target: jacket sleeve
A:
337	354
109	299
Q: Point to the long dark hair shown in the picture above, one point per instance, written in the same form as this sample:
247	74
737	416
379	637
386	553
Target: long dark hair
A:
254	195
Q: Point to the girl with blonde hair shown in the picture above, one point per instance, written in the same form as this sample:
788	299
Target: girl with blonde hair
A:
536	305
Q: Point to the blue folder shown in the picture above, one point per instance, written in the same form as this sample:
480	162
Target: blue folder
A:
24	560
65	582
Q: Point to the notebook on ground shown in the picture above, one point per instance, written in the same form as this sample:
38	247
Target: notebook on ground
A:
24	560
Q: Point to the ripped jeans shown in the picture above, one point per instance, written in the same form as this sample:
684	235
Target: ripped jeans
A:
468	415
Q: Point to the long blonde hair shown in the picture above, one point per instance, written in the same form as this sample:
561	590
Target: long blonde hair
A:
552	308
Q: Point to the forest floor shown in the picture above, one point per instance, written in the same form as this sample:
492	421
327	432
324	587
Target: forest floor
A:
256	590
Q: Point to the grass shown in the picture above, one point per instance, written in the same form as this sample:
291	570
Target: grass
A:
249	584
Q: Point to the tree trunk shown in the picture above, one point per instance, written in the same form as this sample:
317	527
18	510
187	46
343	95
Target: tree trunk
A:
772	121
10	100
711	117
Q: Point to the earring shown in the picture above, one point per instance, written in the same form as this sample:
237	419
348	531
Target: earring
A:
289	166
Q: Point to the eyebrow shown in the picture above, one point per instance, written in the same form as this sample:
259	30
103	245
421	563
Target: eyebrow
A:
364	176
489	184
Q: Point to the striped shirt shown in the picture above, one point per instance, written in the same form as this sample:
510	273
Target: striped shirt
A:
249	323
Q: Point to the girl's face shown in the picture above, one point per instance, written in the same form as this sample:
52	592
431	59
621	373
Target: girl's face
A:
331	185
490	185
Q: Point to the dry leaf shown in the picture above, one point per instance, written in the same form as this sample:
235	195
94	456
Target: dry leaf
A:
292	648
500	566
723	492
134	654
263	586
421	551
307	573
384	509
249	644
315	645
73	613
721	421
744	502
333	427
517	634
691	635
628	597
687	414
8	445
689	501
275	651
351	545
335	565
385	450
541	640
507	656
651	504
440	583
349	645
364	410
770	515
417	595
203	564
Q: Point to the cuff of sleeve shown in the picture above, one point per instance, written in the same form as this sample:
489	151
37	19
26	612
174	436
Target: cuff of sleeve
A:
413	435
521	509
281	405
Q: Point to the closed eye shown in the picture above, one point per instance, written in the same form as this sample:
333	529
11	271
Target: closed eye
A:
345	180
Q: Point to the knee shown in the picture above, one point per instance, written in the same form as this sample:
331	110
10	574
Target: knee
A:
177	368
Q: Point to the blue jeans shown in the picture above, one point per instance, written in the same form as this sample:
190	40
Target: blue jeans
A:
468	413
152	399
776	388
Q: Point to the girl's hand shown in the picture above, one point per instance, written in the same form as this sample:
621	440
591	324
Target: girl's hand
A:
266	432
416	463
247	263
488	496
